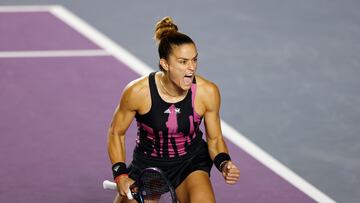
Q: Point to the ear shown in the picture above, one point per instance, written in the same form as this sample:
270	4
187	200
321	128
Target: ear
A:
164	64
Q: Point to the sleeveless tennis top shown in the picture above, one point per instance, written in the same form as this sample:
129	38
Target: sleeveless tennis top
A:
168	130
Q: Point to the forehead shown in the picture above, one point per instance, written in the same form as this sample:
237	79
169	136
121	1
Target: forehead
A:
187	51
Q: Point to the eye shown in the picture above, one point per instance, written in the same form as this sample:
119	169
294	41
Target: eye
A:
195	59
182	62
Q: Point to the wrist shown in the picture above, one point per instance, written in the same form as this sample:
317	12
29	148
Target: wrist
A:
222	165
118	169
220	160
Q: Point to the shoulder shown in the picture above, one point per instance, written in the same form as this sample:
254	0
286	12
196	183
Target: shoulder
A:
135	91
206	88
138	85
208	93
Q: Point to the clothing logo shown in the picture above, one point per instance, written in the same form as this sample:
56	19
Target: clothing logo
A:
177	111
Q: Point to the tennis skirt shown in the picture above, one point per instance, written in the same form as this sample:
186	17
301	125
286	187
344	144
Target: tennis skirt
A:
176	169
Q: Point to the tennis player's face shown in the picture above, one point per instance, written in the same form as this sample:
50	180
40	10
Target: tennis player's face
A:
182	65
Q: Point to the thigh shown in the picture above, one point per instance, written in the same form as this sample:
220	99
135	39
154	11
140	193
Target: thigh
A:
196	188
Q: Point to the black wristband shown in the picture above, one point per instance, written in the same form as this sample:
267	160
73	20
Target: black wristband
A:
219	159
118	169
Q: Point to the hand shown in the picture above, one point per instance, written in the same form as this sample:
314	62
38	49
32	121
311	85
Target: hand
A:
231	173
123	185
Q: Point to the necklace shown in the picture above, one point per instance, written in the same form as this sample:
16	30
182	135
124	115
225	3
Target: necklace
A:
164	88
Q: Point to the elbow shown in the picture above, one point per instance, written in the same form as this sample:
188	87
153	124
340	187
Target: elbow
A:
114	132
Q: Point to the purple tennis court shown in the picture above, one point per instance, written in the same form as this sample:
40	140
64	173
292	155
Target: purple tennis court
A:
55	112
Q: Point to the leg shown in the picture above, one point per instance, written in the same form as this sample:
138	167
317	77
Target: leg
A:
196	188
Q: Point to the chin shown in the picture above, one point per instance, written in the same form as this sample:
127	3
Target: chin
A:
186	87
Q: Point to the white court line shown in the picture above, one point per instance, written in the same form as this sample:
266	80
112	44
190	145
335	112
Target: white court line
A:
277	167
53	53
101	40
229	132
35	8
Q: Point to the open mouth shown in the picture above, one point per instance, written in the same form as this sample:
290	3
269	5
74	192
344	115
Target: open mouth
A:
188	78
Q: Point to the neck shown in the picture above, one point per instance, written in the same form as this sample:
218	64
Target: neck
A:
168	88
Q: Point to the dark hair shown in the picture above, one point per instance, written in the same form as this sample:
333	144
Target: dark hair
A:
167	36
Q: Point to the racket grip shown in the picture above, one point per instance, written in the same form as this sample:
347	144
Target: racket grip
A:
109	185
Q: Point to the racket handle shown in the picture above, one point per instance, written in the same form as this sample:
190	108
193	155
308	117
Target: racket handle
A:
112	186
109	185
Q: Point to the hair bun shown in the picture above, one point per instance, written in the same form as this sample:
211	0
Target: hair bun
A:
164	27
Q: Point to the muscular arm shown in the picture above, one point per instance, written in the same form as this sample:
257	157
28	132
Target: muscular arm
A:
212	121
122	118
215	140
133	99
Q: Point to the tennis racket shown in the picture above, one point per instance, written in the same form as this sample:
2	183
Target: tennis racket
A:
151	186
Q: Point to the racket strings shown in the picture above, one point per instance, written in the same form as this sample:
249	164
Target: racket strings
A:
155	187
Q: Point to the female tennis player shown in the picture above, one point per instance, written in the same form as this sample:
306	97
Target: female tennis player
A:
169	106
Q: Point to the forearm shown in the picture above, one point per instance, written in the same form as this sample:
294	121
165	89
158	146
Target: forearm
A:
216	145
116	151
116	147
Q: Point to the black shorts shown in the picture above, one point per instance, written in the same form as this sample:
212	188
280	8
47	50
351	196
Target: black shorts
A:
176	169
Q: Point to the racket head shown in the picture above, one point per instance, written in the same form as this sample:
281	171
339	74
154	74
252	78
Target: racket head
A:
153	185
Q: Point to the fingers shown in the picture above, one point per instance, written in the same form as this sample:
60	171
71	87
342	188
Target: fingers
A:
231	173
123	186
122	190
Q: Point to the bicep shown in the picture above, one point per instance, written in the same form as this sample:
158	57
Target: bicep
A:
211	116
214	136
121	120
124	113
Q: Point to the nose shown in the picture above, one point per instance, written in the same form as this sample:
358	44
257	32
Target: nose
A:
192	65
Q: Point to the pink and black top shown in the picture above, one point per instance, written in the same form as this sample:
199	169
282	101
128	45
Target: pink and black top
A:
168	130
